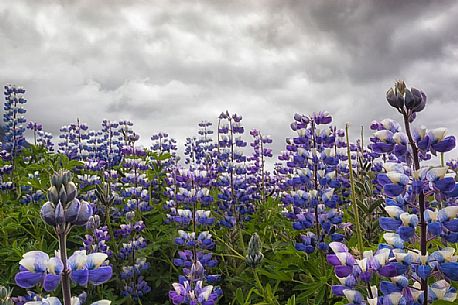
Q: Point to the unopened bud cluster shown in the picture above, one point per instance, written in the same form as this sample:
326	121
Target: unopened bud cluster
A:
405	100
5	296
254	256
63	207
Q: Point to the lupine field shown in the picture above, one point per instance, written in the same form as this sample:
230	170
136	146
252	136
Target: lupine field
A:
90	216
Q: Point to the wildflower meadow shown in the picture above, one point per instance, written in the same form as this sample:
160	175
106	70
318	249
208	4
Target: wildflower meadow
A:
92	215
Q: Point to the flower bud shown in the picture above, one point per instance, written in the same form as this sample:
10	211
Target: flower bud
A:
93	222
71	213
59	214
53	195
96	219
66	177
48	213
130	216
56	180
254	256
82	297
63	196
409	101
197	271
71	191
4	293
84	213
394	98
415	100
420	100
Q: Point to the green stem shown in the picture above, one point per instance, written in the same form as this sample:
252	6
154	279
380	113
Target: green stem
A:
421	203
66	290
359	235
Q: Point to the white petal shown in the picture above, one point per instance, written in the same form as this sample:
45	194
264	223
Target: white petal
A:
102	302
95	260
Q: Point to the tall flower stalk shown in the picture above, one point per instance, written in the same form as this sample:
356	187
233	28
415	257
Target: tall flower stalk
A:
359	234
63	211
420	202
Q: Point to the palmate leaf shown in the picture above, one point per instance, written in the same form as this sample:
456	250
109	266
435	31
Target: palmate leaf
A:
239	296
277	275
292	300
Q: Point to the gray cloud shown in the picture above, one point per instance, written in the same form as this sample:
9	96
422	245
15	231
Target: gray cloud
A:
167	65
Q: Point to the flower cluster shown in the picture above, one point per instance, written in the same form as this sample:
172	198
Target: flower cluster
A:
135	201
188	209
235	194
73	138
13	140
14	120
63	211
317	181
420	206
41	137
38	269
99	237
258	176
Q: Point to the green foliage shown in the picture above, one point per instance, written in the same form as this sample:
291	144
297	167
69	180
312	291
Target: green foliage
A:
284	277
369	204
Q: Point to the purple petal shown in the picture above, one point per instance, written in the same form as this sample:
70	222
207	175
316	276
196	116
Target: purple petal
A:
454	191
337	290
383	179
389	224
434	228
388	287
424	271
51	281
406	233
393	190
445	145
382	148
450	270
388	270
176	298
343	271
80	277
333	260
452	225
27	279
445	185
100	275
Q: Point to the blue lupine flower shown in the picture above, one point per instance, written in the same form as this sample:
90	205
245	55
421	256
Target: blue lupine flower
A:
342	260
56	301
443	291
439	142
401	222
394	183
37	268
185	293
440	179
354	297
89	268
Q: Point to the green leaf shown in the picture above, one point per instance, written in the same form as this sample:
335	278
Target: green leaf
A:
239	296
292	300
280	275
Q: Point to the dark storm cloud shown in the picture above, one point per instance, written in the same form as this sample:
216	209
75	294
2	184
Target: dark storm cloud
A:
166	65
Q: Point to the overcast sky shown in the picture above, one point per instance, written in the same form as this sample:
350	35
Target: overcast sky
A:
167	65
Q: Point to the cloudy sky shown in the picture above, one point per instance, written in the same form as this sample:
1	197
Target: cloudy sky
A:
167	65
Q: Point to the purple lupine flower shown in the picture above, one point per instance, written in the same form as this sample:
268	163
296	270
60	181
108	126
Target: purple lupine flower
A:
37	268
90	268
